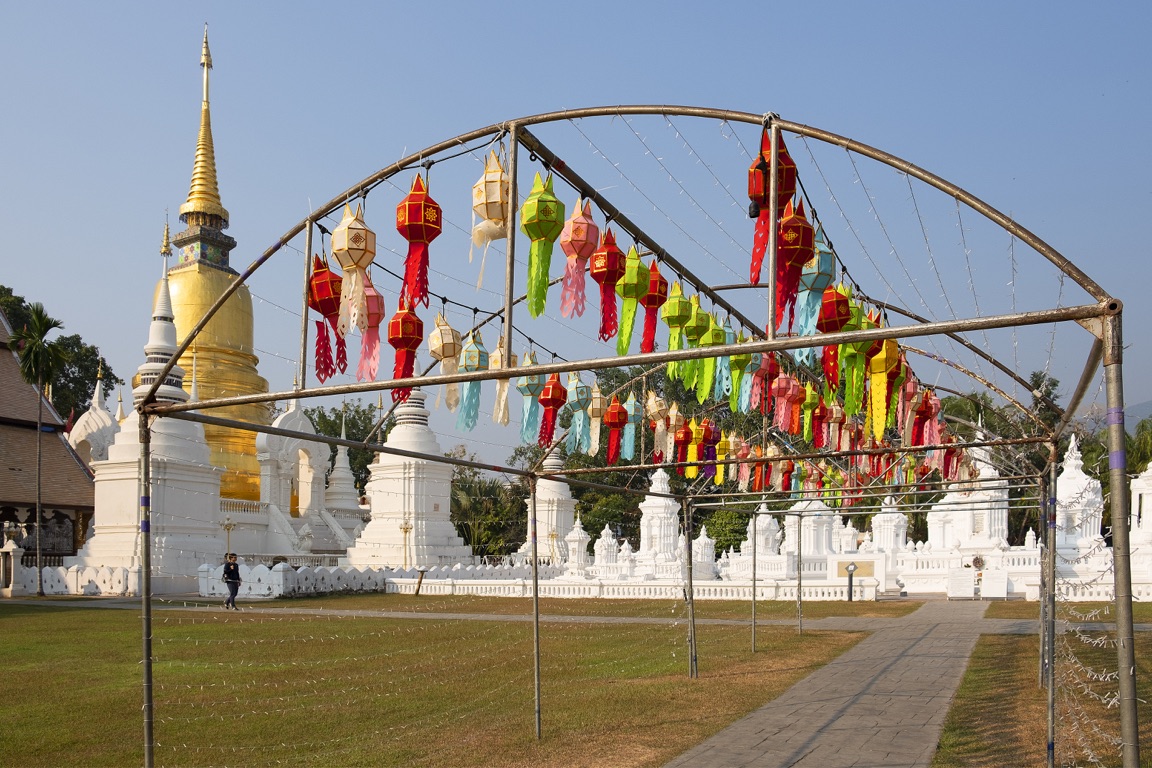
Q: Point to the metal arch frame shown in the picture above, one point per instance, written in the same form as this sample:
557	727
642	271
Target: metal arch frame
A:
1103	320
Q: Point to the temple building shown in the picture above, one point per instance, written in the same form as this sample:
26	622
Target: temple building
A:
223	350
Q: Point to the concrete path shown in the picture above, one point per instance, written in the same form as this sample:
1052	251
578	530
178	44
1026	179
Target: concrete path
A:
881	704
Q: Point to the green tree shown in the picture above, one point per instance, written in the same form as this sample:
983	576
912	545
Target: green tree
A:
489	512
40	361
72	385
357	419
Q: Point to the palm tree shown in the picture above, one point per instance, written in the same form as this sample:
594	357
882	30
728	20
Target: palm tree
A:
40	361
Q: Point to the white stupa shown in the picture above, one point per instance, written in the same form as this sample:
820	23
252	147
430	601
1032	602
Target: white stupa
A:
95	430
410	501
555	514
185	494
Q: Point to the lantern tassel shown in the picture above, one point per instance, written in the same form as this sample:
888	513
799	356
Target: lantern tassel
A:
539	264
469	407
405	363
449	366
573	295
760	243
341	354
608	321
547	427
324	365
416	274
530	423
353	303
369	354
809	302
627	323
648	340
787	287
613	445
579	432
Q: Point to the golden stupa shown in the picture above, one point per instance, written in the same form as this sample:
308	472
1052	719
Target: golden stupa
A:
225	361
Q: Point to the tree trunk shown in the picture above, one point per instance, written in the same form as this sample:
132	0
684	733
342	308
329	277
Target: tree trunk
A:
39	506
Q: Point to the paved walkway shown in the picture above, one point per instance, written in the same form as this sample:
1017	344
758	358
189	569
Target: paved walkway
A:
882	703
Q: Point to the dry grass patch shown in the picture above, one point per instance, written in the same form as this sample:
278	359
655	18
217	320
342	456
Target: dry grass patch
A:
522	606
263	687
1019	609
999	715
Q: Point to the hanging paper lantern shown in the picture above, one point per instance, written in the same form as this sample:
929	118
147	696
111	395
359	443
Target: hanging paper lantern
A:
795	246
615	418
353	247
489	202
675	422
632	288
370	342
444	345
553	397
809	405
656	409
496	362
782	389
715	336
578	240
695	449
815	278
652	300
744	469
835	313
579	398
596	407
418	221
542	220
606	269
709	437
738	364
697	325
759	190
722	386
635	419
405	333
324	287
473	357
530	386
676	313
853	362
682	438
723	446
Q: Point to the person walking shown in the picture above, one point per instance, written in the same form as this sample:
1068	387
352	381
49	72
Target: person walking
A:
232	579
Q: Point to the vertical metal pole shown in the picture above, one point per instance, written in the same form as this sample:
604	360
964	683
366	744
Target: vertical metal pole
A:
1122	564
773	171
510	234
800	573
1050	607
755	536
1042	631
535	603
146	578
689	595
302	368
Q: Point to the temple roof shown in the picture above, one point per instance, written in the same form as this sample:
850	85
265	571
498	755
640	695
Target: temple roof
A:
65	481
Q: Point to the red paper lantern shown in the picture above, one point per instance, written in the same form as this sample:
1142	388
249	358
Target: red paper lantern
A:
405	333
418	221
552	397
652	302
795	245
615	418
324	296
682	439
606	269
758	192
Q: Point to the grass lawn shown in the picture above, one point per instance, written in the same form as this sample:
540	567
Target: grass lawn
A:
999	716
262	688
506	606
1019	609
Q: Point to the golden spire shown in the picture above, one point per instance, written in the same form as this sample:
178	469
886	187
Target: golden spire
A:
203	205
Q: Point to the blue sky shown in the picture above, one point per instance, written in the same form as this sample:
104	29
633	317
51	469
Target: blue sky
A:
1041	109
